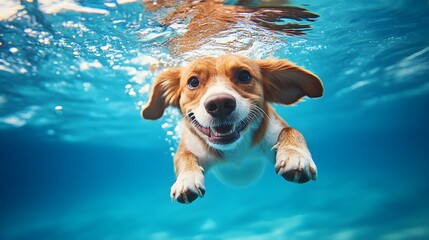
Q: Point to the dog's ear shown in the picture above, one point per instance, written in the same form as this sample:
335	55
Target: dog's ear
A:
165	92
286	83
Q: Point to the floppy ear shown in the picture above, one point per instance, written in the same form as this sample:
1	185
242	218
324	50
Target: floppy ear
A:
286	83
165	92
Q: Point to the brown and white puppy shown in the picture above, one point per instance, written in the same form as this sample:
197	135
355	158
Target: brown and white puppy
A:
229	125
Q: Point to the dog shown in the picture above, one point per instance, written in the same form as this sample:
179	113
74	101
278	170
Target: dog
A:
229	125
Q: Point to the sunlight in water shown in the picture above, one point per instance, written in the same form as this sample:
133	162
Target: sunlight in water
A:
79	162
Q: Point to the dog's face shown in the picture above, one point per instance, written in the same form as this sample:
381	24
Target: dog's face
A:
223	98
220	97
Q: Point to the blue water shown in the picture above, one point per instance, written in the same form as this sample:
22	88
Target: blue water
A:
78	162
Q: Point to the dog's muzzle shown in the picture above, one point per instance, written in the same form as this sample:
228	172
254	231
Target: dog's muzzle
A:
220	107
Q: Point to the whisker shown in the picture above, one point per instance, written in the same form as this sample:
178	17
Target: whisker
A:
260	110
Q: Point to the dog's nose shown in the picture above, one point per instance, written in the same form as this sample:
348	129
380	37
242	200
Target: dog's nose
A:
220	105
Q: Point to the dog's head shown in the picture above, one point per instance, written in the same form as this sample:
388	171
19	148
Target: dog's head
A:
222	98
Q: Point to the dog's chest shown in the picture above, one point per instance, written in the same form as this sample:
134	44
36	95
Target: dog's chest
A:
244	164
241	167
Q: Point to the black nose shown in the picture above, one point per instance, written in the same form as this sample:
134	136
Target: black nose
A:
220	105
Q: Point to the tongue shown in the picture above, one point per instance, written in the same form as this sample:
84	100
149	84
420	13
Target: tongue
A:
223	129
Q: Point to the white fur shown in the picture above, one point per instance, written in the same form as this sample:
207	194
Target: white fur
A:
243	164
242	107
242	111
275	126
297	160
188	181
194	145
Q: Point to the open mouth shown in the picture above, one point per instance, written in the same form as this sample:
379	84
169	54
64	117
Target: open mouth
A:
221	134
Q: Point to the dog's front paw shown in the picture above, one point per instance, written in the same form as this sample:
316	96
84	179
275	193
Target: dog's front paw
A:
295	165
188	186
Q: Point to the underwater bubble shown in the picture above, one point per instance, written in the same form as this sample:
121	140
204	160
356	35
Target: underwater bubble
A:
13	50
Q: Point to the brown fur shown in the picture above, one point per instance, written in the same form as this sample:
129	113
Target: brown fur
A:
280	86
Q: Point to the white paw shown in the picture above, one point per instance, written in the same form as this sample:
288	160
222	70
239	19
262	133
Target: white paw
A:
188	186
295	165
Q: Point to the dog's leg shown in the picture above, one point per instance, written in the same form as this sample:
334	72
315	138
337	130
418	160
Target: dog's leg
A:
189	178
293	159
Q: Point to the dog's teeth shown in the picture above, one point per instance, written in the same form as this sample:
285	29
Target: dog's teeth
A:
213	131
217	134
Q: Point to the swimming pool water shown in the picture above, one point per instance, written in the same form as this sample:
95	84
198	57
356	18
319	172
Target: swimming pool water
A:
78	162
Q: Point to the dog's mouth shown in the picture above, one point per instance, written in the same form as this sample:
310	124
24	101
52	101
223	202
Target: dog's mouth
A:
222	134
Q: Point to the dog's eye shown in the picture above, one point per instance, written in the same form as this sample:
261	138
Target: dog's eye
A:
244	76
193	82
